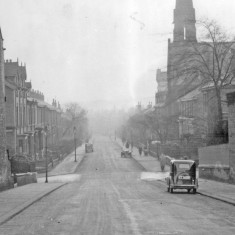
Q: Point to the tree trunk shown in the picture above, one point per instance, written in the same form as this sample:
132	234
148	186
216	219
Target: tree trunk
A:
219	127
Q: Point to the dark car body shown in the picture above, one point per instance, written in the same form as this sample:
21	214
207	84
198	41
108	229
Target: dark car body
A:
182	176
126	153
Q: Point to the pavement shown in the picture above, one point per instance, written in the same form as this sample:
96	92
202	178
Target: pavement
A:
213	189
68	165
16	200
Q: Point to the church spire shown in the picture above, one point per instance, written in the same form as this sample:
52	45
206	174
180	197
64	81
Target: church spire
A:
184	21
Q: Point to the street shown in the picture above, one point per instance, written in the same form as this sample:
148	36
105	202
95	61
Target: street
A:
109	196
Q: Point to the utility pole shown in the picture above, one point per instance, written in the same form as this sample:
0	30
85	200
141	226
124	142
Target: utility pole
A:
46	133
75	144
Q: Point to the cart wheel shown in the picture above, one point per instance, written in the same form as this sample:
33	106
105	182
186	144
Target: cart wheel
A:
171	190
189	190
194	191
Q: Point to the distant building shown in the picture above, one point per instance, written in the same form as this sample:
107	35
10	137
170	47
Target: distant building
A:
43	117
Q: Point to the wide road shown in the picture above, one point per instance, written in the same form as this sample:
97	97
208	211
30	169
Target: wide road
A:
111	198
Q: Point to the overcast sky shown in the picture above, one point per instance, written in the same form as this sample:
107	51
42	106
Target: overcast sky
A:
95	50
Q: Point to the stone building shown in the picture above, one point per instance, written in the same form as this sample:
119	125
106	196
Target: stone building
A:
218	162
11	87
5	174
16	97
28	115
184	21
191	99
43	117
160	96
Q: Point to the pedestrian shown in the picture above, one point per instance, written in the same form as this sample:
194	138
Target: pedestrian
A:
140	149
162	161
145	150
127	145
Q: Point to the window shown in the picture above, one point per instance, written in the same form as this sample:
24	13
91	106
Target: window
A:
17	116
184	166
187	108
21	146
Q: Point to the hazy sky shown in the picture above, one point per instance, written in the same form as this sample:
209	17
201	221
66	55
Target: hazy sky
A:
88	50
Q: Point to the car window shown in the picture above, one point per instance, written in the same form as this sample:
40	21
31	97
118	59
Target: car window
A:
184	166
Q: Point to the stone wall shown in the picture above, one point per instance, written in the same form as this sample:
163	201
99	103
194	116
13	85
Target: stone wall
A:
214	155
5	177
231	128
214	162
22	166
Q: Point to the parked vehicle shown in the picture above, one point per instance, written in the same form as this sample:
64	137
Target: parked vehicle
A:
140	150
182	176
89	148
126	153
146	151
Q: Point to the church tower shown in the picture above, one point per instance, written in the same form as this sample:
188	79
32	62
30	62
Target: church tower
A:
184	21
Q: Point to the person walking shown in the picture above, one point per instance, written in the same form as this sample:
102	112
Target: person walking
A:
140	149
132	145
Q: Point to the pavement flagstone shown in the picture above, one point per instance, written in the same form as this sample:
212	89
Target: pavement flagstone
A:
14	201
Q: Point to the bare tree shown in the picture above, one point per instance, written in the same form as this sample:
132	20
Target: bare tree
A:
153	121
78	117
208	64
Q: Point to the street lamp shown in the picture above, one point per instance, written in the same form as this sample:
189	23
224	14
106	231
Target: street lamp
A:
75	144
45	131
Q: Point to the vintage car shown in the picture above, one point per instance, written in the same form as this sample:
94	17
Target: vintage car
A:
126	153
182	176
89	148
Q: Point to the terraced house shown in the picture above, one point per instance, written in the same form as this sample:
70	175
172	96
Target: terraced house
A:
28	115
16	103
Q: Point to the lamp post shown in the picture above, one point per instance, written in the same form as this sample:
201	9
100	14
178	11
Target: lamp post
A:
75	144
45	131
